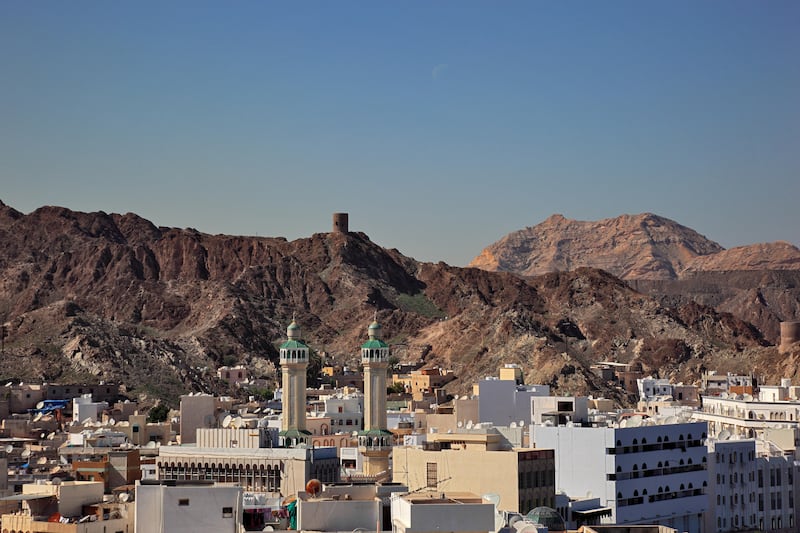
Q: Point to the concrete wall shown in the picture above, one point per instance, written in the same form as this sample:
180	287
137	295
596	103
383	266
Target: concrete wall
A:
441	515
338	515
196	412
187	509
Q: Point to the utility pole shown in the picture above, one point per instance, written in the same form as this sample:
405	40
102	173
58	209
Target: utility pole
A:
3	334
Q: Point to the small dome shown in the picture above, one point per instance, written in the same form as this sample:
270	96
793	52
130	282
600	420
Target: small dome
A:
547	517
374	330
293	331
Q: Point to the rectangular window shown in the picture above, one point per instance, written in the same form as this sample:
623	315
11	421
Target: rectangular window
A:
183	501
431	475
227	512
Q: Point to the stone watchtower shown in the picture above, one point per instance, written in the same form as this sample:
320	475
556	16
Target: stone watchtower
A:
340	223
375	441
294	362
790	334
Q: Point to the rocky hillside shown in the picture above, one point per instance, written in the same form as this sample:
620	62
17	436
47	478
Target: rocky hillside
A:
107	296
759	283
642	246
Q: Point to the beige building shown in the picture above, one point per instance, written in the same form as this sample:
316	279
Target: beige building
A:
280	471
475	461
81	502
197	411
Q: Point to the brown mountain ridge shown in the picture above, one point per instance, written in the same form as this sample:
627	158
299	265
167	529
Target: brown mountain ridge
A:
759	283
90	296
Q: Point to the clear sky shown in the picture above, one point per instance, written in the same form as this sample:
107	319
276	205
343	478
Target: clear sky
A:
439	126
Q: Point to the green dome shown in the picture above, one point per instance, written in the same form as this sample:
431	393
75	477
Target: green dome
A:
547	517
374	343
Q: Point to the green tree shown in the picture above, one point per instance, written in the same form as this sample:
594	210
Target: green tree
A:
158	414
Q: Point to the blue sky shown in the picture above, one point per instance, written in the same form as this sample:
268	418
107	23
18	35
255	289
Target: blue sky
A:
439	126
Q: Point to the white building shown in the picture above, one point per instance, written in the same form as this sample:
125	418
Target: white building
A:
747	417
752	487
428	512
84	409
346	507
188	508
650	388
346	411
502	401
647	474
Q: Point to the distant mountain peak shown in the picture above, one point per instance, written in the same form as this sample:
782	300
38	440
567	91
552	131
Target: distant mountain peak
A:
640	246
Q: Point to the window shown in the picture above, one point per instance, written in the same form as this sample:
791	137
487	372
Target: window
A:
431	475
183	501
227	512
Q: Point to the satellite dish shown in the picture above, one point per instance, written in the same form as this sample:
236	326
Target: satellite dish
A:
513	424
724	395
56	481
623	423
39	405
43	435
37	417
238	422
747	397
9	448
671	420
226	422
63	460
470	424
124	497
459	424
258	410
41	461
150	445
724	435
87	422
111	421
521	423
492	498
26	453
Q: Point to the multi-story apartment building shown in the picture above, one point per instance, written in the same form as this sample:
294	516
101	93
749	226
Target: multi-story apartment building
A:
752	487
645	474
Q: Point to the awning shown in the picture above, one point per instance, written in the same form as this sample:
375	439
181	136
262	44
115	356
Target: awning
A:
26	497
599	511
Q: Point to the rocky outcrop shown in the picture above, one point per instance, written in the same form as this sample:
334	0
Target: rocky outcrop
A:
643	246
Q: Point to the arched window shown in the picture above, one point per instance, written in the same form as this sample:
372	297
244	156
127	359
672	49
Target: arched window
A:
619	469
619	495
635	493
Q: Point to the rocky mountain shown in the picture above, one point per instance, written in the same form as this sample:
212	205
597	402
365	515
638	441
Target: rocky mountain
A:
764	256
643	246
759	283
90	296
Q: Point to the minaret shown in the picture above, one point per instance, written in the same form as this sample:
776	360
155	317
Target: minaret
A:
375	441
294	361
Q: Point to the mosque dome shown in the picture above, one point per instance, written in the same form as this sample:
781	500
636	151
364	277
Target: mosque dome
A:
547	517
